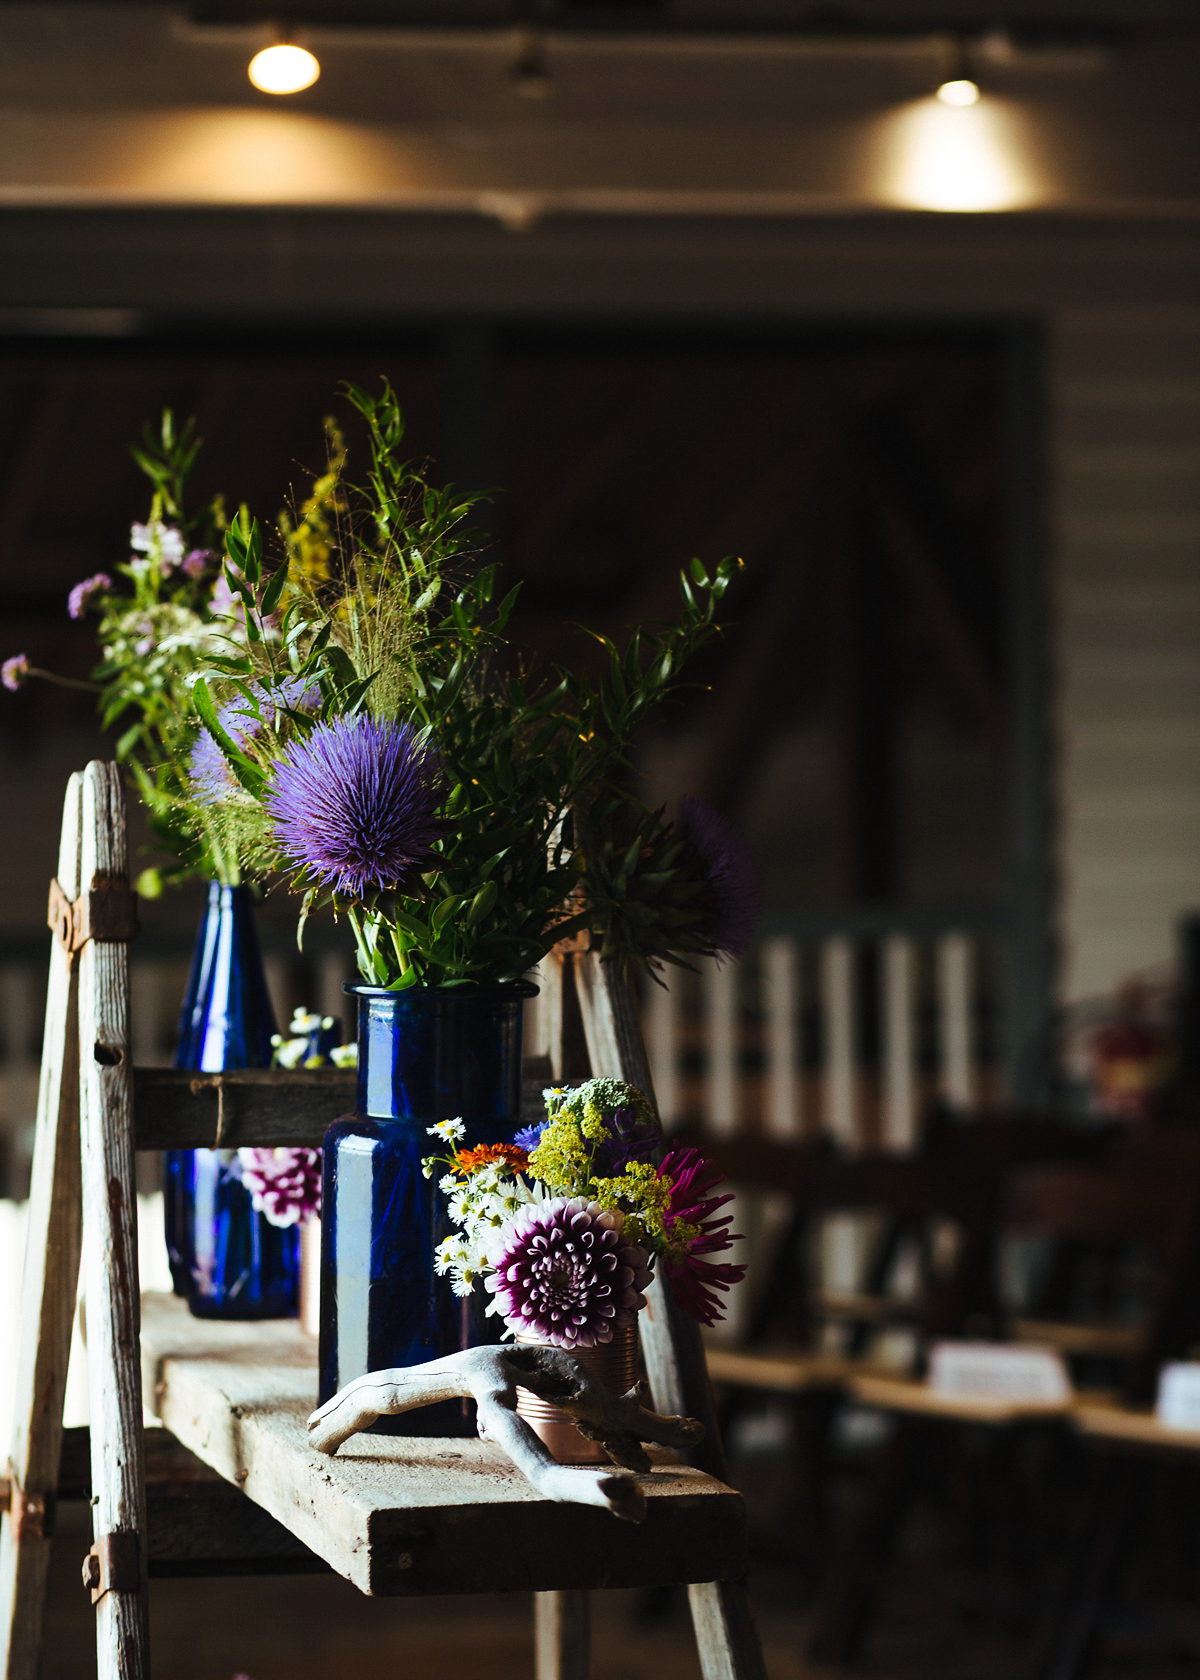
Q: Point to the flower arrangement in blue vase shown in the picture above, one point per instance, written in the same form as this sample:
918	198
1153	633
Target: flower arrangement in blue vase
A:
383	751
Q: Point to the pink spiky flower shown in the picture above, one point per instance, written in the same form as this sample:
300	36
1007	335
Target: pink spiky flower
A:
692	1233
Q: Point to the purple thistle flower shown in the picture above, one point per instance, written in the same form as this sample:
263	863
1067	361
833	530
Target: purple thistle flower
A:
208	767
15	671
284	1184
565	1273
354	804
728	870
82	593
693	1279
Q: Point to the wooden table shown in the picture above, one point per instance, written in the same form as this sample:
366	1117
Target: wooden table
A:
413	1515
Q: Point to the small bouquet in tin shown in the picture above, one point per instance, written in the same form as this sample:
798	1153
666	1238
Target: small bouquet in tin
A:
566	1225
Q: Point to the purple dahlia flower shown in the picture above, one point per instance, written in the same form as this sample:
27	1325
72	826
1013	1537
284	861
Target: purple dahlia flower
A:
565	1273
82	593
209	768
729	871
354	804
284	1184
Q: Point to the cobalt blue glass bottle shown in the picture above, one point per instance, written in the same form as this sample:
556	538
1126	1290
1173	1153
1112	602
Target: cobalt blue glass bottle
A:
427	1054
228	1260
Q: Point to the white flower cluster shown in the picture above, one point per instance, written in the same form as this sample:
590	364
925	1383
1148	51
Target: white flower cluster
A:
290	1052
479	1206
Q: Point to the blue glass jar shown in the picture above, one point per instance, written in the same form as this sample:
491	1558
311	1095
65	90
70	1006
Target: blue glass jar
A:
228	1260
428	1054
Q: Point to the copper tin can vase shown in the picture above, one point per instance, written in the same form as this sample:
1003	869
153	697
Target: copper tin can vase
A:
614	1364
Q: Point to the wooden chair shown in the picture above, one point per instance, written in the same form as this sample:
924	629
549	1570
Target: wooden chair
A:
1148	1198
237	1395
957	1176
1082	1209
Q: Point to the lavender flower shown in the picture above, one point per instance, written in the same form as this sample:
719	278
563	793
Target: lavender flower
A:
197	561
209	768
565	1273
284	1184
15	671
82	593
144	538
354	804
729	871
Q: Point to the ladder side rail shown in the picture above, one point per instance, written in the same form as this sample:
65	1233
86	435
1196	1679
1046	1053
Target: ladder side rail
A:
118	1559
48	1287
727	1640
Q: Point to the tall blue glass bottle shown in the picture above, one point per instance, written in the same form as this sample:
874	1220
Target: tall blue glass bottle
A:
423	1055
228	1260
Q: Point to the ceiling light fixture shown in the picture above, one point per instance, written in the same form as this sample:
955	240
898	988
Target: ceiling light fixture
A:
959	91
283	68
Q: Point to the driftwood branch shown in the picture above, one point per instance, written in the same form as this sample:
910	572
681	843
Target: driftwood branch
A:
490	1376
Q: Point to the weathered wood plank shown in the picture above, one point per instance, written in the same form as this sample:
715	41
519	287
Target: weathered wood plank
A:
48	1287
727	1640
110	1264
175	1108
404	1515
562	1629
198	1523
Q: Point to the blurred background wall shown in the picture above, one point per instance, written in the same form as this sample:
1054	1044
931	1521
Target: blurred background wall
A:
678	279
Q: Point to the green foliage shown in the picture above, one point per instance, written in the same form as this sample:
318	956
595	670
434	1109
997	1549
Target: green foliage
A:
380	604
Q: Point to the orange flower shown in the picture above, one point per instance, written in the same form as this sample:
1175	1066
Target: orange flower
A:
467	1161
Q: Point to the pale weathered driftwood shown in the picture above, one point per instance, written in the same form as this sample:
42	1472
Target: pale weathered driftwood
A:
413	1515
490	1376
47	1301
110	1259
726	1637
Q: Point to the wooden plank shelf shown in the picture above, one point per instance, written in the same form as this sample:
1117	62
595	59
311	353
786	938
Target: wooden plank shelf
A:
175	1108
413	1515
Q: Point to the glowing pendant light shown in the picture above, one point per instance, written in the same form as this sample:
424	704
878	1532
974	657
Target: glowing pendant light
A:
283	68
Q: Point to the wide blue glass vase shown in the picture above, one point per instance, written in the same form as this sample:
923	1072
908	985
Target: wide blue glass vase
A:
427	1054
228	1260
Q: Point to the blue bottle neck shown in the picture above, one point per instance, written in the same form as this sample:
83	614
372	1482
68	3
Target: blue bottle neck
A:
227	1020
437	1053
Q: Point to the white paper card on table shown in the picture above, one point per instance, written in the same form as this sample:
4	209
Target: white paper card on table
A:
996	1371
1179	1396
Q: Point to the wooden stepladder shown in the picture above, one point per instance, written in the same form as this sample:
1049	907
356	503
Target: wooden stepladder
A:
83	1159
83	1204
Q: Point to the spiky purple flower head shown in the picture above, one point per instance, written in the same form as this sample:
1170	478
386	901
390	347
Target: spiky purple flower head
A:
284	1184
565	1273
208	767
727	868
354	804
82	593
14	672
692	1232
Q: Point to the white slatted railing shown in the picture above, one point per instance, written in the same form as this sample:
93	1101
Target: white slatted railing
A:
794	1041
